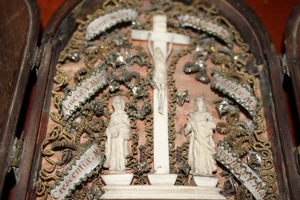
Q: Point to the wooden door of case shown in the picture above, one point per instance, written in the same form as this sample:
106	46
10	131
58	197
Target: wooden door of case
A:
20	28
290	143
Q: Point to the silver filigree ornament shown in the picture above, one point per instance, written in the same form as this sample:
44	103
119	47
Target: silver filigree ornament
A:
94	192
183	167
161	5
87	119
198	66
67	155
182	97
113	86
203	42
132	109
137	91
230	184
240	60
224	105
144	167
120	74
115	59
121	41
254	161
136	24
73	55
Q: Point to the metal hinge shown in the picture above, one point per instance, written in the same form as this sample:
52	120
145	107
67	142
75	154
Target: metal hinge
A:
37	59
16	155
284	64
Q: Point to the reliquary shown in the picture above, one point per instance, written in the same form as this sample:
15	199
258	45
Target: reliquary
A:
154	100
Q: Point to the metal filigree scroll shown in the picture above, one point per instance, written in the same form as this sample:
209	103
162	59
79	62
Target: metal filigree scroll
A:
144	52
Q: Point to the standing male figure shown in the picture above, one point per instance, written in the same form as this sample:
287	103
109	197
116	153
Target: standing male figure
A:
160	71
200	128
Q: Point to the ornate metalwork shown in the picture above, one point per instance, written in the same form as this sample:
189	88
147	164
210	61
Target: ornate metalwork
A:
230	184
224	105
141	170
117	55
198	66
254	161
66	156
94	192
184	168
182	97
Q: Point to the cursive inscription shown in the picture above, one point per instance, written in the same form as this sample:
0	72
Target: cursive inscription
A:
207	26
106	21
241	93
83	91
77	171
244	173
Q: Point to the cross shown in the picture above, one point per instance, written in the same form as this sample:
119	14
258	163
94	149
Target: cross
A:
160	37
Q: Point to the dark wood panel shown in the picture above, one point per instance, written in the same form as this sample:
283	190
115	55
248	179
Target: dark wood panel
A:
19	29
293	51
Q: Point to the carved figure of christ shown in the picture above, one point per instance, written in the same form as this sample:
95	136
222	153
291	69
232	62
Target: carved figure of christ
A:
160	72
160	37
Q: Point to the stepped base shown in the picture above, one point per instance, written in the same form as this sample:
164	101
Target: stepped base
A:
161	192
204	181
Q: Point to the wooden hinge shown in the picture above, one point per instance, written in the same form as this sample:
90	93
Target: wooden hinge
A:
16	155
37	59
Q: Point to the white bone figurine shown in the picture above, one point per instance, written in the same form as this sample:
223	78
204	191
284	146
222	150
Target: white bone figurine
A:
160	71
200	128
118	134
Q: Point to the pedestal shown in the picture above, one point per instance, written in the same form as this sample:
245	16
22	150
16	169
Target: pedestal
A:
117	179
162	179
203	181
162	187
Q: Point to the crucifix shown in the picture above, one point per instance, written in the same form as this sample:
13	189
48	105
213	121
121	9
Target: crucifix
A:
160	38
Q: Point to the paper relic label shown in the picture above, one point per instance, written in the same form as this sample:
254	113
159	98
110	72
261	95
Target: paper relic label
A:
77	171
242	171
206	26
106	21
83	91
241	93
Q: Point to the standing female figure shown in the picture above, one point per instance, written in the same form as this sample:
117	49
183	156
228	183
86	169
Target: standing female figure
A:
118	134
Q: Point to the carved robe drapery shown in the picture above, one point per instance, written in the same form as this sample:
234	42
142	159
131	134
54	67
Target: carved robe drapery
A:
118	134
202	147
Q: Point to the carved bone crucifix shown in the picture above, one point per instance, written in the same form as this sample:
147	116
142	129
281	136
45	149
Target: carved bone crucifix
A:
160	37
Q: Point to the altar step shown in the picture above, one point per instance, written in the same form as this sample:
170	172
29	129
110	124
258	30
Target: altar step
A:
161	192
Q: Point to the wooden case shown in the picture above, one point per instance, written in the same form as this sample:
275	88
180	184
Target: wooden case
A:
56	36
20	27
